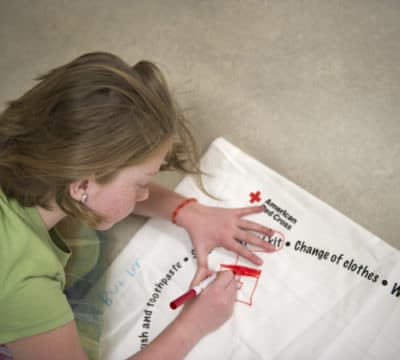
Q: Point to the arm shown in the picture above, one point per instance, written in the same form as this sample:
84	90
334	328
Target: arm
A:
61	343
160	203
198	318
208	227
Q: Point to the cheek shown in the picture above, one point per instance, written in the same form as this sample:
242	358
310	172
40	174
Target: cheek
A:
115	206
122	205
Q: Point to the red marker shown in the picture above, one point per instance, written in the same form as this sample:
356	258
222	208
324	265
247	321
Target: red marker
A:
192	292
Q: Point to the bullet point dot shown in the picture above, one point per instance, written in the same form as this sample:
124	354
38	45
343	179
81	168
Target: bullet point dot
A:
287	243
186	259
384	282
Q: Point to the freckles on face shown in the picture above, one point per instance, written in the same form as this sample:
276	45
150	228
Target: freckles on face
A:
114	202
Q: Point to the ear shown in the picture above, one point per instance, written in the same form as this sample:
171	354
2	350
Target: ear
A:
78	188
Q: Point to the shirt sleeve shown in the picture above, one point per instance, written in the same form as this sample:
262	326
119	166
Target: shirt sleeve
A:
33	306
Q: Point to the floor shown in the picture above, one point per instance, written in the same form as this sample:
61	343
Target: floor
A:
310	88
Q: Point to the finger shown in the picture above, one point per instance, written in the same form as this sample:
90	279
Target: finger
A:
224	279
249	210
202	257
260	243
236	283
253	226
257	241
200	275
233	285
265	245
246	253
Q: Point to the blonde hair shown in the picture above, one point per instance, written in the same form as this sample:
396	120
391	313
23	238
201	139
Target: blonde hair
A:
94	115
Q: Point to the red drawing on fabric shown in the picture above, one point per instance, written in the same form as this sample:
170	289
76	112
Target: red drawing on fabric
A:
248	283
255	197
249	276
242	270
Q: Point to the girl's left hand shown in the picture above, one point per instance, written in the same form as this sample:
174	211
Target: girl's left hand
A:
211	227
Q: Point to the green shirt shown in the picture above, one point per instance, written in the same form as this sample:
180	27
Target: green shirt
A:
32	276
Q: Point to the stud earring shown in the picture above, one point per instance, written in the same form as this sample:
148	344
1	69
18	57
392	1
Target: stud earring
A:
84	198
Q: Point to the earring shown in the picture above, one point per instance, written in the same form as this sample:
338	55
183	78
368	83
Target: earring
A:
84	198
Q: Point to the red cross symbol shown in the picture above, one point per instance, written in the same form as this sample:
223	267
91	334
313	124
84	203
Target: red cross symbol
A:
255	197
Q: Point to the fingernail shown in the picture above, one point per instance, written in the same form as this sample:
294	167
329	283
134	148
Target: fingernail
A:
259	261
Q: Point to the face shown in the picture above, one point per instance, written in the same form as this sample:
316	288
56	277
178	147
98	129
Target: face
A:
116	200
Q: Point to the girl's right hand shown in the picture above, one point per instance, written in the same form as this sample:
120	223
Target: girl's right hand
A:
212	307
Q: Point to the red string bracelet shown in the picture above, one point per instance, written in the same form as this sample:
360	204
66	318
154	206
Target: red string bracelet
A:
179	207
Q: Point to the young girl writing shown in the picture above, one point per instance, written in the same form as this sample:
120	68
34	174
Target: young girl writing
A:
84	144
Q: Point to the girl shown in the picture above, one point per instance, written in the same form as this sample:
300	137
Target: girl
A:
84	144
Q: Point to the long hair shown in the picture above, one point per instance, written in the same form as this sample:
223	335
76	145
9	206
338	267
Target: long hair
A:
92	116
